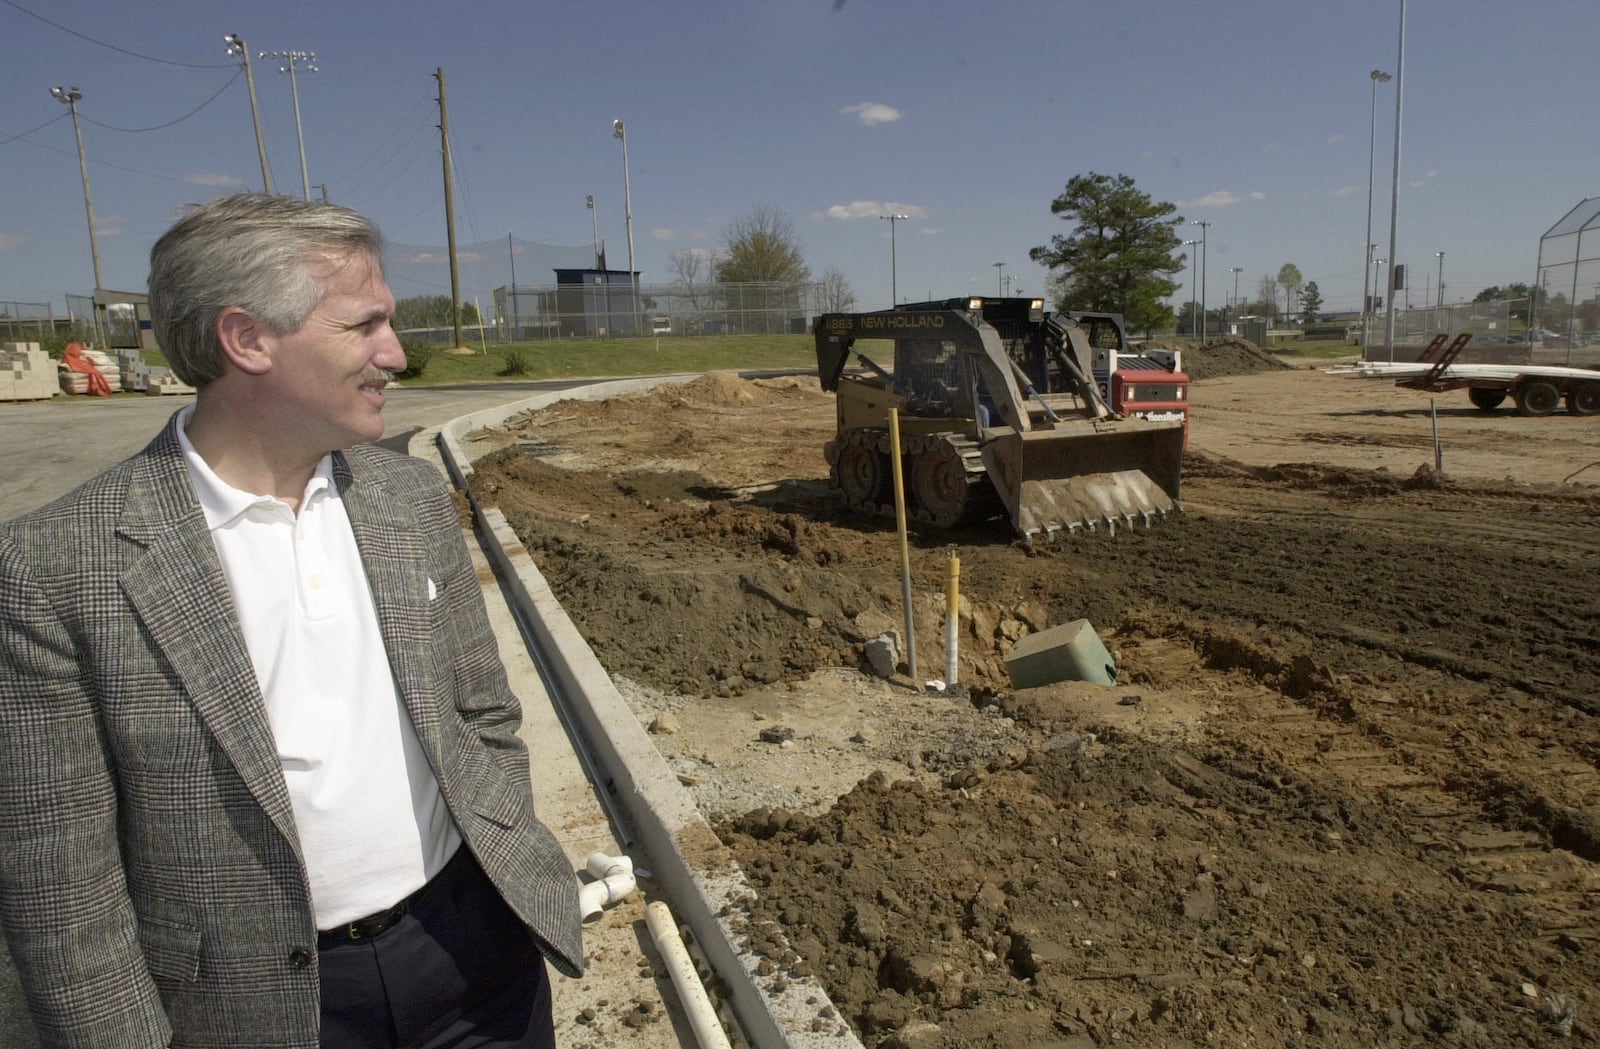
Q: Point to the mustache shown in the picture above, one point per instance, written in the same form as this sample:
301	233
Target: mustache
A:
377	377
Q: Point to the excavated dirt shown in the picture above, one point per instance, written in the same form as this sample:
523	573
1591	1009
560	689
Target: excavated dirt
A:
1344	793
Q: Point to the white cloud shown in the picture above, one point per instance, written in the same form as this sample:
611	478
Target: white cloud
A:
932	231
1222	198
1343	191
869	209
201	178
432	257
1258	195
870	113
662	233
9	241
1335	139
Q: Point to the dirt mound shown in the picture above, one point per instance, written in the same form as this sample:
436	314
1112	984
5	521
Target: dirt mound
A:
1220	358
1353	738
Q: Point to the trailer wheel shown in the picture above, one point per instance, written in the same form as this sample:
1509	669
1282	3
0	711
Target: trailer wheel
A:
1584	399
1485	399
1537	398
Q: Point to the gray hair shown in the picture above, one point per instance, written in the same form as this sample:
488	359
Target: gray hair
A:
251	250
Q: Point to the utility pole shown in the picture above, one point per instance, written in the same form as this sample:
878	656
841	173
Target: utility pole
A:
511	253
618	131
894	278
1000	279
1234	309
237	46
70	97
289	58
1203	227
1377	76
1394	184
449	207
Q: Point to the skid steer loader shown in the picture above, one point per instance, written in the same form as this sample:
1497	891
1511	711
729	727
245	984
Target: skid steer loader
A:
976	435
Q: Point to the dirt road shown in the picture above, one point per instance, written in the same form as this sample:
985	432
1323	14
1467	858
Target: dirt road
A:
1344	793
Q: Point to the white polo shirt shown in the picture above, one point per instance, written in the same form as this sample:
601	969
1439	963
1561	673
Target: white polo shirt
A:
373	825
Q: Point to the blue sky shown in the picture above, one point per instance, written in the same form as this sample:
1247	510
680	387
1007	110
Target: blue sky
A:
1252	116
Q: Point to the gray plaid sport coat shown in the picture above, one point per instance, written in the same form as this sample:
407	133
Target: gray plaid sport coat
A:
151	880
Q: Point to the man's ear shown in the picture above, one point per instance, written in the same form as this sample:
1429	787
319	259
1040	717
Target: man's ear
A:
246	343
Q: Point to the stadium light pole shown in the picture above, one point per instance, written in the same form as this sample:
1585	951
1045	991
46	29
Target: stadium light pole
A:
237	46
1000	279
1194	280
1203	227
620	133
69	97
594	226
1378	76
290	60
1441	276
894	288
1394	184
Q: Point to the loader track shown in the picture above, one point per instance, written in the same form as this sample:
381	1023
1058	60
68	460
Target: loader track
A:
943	474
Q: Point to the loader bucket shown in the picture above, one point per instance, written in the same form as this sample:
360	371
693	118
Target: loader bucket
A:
1085	473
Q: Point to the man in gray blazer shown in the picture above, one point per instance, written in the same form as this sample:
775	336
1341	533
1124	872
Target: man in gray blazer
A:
260	783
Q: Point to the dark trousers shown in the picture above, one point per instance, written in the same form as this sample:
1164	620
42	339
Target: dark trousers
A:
459	971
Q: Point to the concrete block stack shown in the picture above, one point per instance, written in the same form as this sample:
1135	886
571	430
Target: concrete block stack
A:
151	379
135	372
162	382
26	373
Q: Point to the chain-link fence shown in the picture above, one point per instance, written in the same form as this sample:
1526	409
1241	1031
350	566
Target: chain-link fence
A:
1504	331
609	309
31	322
1566	313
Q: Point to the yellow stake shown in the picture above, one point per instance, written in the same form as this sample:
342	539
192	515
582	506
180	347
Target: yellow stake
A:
905	550
952	617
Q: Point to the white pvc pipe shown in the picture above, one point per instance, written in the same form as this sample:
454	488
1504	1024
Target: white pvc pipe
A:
691	992
614	881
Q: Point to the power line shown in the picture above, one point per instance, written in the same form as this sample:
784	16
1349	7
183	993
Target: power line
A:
114	47
41	127
170	123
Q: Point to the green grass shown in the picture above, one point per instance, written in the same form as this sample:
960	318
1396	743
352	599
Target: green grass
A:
584	358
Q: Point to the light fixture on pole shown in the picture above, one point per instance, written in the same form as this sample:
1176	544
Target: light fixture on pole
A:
1236	270
291	61
1000	279
237	46
1377	76
618	132
1441	276
70	96
1194	271
1203	227
894	287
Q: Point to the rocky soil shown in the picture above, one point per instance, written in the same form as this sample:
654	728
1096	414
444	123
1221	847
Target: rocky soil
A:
1344	792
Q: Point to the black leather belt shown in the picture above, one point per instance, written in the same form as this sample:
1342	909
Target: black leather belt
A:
370	926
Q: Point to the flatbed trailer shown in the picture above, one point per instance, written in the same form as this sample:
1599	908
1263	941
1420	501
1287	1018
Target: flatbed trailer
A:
1535	389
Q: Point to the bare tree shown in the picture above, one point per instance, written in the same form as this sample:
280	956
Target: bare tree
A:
692	280
837	295
689	267
1267	296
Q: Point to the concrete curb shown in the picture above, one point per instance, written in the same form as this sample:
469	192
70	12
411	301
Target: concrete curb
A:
695	872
